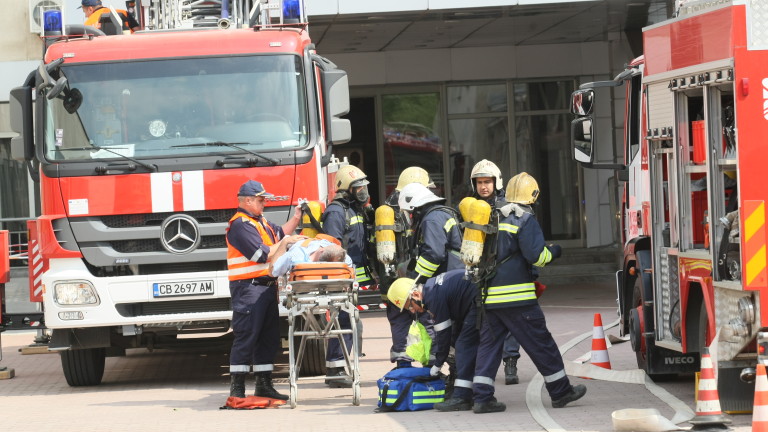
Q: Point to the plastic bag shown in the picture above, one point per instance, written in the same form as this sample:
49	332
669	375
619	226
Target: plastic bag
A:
419	344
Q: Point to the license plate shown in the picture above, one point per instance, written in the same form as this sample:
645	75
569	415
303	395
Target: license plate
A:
185	288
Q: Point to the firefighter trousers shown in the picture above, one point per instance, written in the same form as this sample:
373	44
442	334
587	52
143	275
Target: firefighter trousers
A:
465	346
255	325
528	326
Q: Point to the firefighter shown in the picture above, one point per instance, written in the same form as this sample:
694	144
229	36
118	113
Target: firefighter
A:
487	184
346	219
449	301
436	236
399	322
510	303
93	10
250	240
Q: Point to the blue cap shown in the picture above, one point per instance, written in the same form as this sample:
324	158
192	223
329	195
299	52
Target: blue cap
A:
84	3
253	188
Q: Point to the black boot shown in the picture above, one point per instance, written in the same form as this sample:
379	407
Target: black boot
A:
237	385
334	372
510	371
264	387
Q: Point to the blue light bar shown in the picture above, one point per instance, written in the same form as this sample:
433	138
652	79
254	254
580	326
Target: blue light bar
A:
291	11
52	21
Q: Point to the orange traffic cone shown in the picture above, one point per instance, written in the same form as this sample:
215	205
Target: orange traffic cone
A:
760	411
599	346
708	413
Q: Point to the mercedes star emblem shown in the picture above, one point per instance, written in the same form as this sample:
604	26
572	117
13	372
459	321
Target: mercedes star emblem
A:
179	234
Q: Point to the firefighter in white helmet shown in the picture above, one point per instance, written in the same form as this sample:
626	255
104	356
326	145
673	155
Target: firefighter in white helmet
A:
345	219
448	302
399	323
436	235
520	247
487	184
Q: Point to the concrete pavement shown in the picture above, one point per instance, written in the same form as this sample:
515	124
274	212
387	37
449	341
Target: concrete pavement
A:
182	390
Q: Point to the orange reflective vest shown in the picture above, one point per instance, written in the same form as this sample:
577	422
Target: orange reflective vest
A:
95	18
241	267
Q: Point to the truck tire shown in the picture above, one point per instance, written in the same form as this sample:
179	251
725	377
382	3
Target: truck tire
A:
83	367
313	363
642	349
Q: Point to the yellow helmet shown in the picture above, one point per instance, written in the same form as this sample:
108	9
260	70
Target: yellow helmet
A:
350	176
400	291
414	174
522	189
486	168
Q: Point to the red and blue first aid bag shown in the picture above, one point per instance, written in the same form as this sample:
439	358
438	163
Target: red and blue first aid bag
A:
409	389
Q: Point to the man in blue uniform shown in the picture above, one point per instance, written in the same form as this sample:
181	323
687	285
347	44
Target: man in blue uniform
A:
251	240
511	306
449	302
487	185
400	322
436	234
345	219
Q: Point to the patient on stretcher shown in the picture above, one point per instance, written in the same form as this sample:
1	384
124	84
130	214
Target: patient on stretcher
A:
320	249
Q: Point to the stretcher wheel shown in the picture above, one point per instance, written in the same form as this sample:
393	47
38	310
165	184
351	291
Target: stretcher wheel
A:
356	394
293	396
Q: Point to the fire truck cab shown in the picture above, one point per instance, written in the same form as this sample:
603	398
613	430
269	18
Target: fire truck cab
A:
693	201
139	143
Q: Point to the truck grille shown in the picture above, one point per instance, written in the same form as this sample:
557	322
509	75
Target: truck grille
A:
156	219
154	245
129	310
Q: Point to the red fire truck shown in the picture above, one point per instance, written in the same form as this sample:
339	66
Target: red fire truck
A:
693	213
139	143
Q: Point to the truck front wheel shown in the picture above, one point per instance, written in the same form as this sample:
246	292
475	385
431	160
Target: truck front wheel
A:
83	367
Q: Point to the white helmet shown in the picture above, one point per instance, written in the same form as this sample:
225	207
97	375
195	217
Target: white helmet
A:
486	168
416	195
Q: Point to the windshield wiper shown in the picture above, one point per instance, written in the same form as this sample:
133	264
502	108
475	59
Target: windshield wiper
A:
231	145
103	169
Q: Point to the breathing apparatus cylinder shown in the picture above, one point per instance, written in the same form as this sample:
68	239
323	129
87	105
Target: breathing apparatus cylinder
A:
316	209
385	234
477	212
464	206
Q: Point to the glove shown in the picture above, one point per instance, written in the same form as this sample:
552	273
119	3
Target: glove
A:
555	250
435	371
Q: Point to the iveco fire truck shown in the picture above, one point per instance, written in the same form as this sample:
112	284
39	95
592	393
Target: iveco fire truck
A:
139	143
693	213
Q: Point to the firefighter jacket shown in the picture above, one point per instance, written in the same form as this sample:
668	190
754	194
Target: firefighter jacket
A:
345	222
449	298
438	240
520	246
248	240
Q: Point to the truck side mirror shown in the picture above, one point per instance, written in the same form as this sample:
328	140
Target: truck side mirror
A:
22	146
581	136
336	94
582	102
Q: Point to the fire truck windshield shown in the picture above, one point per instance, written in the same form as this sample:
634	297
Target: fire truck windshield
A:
162	108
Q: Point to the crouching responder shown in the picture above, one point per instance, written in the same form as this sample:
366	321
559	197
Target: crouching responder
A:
487	184
400	322
345	220
449	302
511	306
255	315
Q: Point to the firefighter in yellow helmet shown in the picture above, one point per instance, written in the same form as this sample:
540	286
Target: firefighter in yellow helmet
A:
399	323
520	247
448	303
345	218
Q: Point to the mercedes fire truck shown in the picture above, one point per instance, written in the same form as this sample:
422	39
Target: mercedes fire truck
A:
139	143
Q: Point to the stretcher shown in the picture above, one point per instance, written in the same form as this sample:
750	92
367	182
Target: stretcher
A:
313	291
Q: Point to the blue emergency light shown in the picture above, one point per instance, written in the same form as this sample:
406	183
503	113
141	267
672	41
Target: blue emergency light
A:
291	11
52	21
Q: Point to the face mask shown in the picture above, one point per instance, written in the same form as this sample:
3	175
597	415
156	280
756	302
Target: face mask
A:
362	195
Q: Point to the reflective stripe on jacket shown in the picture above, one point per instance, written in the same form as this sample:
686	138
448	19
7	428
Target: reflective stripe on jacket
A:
241	267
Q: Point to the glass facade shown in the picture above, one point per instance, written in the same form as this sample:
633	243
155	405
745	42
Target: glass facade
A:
531	134
14	199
